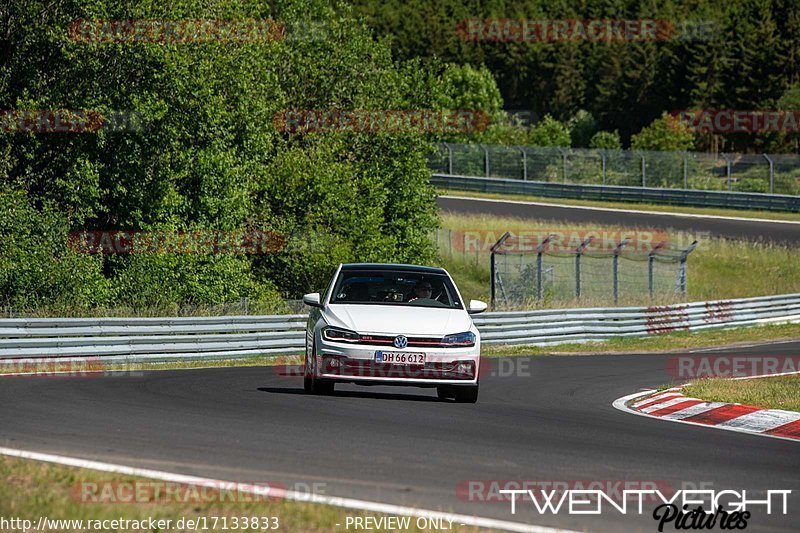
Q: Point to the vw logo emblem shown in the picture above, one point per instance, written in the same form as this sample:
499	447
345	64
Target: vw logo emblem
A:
400	341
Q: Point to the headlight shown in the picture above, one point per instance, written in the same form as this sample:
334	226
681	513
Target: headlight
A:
339	335
459	339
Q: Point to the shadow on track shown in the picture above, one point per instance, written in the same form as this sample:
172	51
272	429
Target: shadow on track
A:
358	394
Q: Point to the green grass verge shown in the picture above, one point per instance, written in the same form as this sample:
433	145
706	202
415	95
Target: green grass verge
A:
656	208
717	269
779	392
32	489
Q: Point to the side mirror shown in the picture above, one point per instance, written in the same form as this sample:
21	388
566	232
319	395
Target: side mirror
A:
312	299
476	306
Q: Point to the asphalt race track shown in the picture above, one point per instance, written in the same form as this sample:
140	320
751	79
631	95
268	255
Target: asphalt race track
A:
538	418
776	232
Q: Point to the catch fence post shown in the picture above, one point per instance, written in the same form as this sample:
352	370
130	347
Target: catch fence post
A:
682	269
651	258
578	252
539	252
685	170
493	265
644	172
603	156
449	158
771	174
615	269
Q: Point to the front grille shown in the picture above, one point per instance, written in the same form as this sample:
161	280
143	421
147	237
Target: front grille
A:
413	342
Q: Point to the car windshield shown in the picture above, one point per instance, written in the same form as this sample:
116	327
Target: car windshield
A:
387	287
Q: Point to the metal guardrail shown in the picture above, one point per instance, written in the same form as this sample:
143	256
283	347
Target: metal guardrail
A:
549	327
620	193
130	340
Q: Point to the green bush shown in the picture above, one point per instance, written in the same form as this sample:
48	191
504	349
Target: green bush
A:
214	155
37	265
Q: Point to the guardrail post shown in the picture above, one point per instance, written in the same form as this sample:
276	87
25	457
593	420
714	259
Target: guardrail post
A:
485	160
615	268
771	174
685	170
449	158
682	268
651	258
578	252
524	163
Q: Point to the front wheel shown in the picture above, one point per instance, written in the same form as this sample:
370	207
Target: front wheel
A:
467	394
308	380
311	383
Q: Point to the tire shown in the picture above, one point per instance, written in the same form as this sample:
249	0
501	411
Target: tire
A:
323	388
311	383
467	394
444	392
308	380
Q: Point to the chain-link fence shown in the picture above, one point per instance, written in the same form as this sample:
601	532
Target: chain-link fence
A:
761	173
596	270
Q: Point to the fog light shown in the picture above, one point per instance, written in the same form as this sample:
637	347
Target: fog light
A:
331	364
465	367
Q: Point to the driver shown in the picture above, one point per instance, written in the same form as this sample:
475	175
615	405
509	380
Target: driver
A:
423	289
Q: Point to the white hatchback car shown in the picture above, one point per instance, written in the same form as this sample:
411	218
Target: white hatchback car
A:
386	324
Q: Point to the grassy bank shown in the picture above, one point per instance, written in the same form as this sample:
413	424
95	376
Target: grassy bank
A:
656	208
717	269
34	489
779	392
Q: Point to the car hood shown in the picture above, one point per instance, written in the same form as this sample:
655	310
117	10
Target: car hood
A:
396	320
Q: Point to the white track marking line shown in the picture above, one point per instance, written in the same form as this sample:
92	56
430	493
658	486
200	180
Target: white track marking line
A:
693	410
759	421
616	210
264	490
739	346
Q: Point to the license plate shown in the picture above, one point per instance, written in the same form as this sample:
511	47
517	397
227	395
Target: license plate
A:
400	358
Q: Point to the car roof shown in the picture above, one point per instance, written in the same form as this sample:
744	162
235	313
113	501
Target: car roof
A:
393	266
